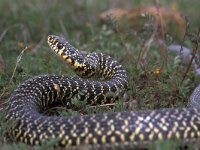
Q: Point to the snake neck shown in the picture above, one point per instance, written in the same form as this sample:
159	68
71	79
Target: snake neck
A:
94	64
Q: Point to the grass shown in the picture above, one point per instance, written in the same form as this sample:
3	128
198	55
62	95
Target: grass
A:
27	24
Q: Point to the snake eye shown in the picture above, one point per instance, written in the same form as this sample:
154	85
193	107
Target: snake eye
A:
59	46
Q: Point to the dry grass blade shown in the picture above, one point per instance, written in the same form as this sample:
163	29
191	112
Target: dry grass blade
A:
17	62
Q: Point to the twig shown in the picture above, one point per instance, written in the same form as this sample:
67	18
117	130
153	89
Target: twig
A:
193	55
185	33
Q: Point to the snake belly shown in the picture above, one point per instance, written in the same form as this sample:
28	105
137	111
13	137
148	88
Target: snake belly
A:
34	95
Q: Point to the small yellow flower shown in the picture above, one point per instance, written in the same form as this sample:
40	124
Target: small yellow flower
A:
157	71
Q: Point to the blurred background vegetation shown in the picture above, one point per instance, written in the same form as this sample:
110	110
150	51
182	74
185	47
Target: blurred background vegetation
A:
157	79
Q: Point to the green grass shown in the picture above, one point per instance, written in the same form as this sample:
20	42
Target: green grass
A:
27	23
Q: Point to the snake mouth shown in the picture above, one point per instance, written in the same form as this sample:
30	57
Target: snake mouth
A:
52	40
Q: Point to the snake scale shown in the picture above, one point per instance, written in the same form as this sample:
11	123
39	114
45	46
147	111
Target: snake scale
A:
30	99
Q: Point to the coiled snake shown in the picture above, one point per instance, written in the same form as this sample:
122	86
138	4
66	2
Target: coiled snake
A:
34	95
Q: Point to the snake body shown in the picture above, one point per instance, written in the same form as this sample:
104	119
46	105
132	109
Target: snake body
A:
115	128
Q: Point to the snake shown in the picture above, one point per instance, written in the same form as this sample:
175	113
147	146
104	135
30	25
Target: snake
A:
98	76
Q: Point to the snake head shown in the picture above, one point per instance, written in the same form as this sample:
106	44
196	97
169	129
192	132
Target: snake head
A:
56	43
66	51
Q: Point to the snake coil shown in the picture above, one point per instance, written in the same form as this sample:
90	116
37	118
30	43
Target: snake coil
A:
115	128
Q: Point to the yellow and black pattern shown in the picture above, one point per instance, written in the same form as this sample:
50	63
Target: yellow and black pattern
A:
131	128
